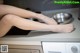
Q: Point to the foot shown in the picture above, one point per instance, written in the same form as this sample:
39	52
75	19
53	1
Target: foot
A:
64	28
67	28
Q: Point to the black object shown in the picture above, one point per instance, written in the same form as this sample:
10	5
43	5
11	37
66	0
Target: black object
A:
40	5
79	15
17	31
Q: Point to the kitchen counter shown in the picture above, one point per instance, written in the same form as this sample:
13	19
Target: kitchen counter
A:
50	36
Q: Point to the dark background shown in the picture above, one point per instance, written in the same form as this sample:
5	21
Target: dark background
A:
39	5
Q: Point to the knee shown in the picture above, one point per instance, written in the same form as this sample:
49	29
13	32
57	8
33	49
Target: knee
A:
10	18
7	17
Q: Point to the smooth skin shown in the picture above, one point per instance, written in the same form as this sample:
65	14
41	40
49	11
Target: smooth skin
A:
14	16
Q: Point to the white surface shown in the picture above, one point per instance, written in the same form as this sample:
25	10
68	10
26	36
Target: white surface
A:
69	45
21	42
59	47
51	47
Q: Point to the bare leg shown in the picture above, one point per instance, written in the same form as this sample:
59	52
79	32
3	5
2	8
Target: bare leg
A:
11	20
5	26
6	9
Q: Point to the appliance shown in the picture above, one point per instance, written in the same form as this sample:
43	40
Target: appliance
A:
61	47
